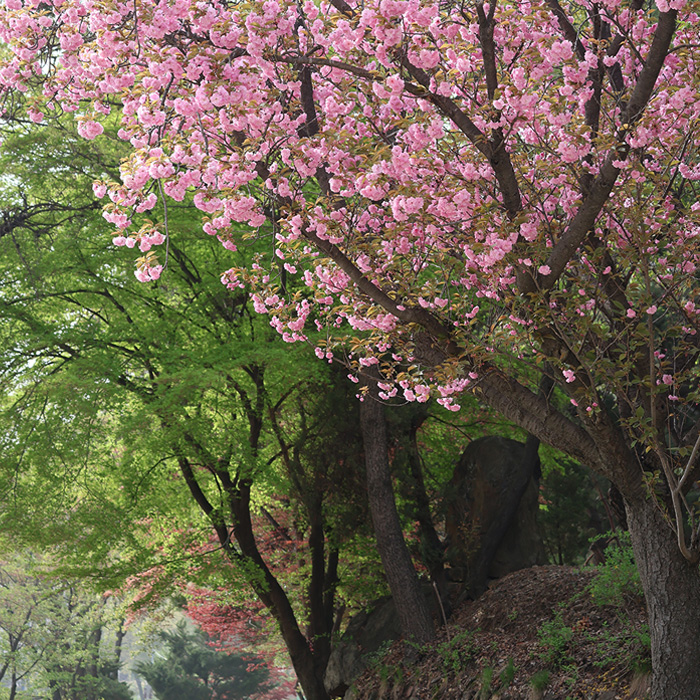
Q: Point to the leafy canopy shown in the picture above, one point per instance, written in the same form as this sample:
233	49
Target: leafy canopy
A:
468	195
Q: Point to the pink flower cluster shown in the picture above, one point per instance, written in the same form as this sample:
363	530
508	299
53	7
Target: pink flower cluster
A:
398	182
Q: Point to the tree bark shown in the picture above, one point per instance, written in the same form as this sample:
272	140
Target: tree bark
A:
412	609
306	666
432	547
672	590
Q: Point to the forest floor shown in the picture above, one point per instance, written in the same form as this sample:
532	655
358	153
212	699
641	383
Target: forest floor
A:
536	634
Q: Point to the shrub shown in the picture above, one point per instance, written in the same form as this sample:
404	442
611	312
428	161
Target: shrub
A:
617	579
554	637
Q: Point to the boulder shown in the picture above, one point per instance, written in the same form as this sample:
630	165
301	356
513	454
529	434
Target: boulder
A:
492	505
366	633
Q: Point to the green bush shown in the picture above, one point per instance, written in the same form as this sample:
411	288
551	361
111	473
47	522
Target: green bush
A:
540	680
507	674
554	637
457	652
616	580
629	648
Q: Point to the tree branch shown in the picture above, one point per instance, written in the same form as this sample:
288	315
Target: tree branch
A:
600	190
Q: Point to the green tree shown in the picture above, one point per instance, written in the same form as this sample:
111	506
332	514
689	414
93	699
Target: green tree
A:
142	418
572	513
53	635
189	669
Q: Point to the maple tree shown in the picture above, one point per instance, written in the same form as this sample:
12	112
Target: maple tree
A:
232	628
190	669
471	193
160	408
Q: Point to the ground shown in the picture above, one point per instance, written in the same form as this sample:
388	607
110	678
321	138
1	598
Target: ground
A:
536	634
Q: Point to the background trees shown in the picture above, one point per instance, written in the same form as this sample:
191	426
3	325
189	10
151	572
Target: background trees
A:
57	640
191	669
139	420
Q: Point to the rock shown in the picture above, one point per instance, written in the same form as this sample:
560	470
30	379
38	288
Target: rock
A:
521	546
492	509
365	635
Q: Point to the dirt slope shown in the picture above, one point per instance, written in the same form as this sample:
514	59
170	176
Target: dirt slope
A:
535	634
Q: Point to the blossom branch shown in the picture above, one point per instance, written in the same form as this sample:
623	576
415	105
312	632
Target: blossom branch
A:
588	212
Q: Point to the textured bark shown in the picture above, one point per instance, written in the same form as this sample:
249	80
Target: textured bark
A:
672	590
272	595
411	606
432	547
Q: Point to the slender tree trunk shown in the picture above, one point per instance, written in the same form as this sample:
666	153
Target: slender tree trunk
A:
308	670
320	622
306	666
672	589
263	581
411	606
433	551
118	647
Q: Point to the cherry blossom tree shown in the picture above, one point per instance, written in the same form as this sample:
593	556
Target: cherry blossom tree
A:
472	196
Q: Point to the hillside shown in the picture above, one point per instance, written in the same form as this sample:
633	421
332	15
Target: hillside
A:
536	634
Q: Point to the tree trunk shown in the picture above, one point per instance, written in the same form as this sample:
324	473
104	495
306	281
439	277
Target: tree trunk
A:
118	647
411	606
263	581
672	589
432	547
320	625
306	666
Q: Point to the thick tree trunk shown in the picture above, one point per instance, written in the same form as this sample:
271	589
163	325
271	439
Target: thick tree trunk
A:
672	589
411	606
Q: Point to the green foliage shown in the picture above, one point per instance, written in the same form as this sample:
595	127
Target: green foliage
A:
540	680
99	685
388	673
486	683
455	653
569	509
192	670
630	648
507	675
617	578
54	634
554	638
109	384
377	657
